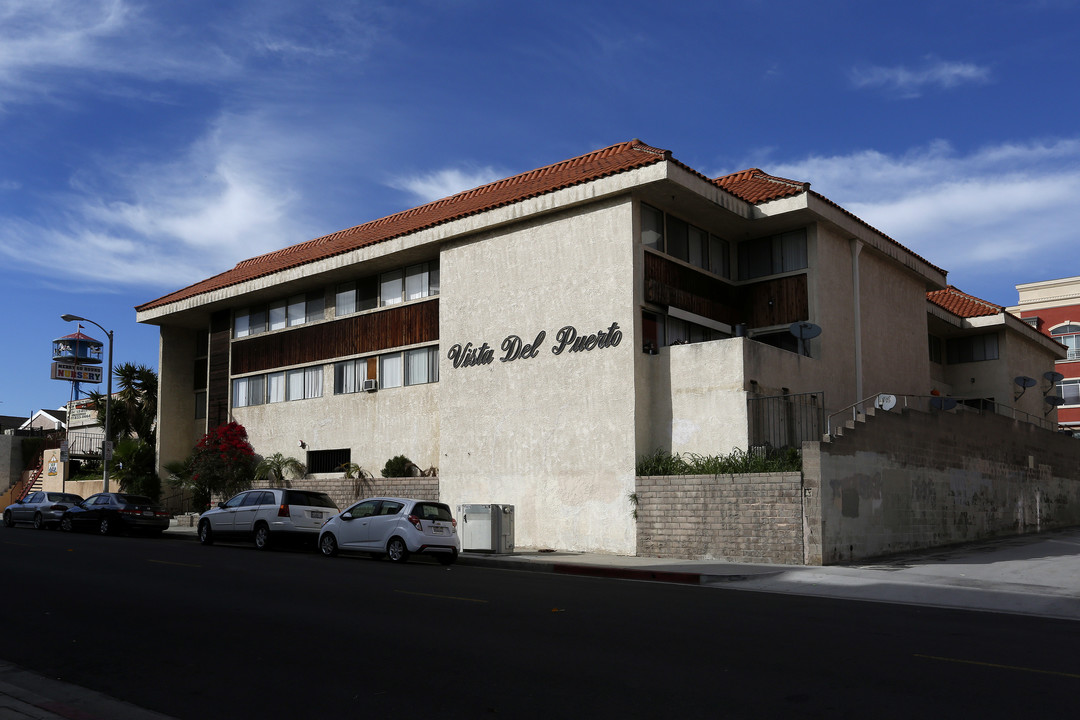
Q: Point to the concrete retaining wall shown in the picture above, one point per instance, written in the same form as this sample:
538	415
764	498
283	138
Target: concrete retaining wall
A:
909	480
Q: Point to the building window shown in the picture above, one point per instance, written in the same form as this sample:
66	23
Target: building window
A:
1069	390
421	280
200	405
935	348
278	315
661	330
349	376
357	296
327	461
1069	336
773	255
422	366
686	242
972	349
652	228
299	384
412	283
390	371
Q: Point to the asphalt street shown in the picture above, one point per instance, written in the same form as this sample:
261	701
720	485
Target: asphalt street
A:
189	631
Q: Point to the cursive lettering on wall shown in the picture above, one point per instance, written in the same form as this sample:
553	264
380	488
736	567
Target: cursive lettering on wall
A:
468	356
567	339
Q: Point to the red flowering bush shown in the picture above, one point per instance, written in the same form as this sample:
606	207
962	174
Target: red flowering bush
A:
222	463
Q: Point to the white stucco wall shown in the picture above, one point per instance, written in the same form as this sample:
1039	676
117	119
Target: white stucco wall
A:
376	426
552	435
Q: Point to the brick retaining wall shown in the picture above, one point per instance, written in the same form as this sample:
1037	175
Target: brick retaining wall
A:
345	491
742	518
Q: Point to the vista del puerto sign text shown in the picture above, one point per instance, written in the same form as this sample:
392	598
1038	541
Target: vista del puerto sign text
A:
568	339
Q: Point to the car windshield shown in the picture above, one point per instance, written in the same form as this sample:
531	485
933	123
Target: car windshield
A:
134	499
309	498
433	511
64	498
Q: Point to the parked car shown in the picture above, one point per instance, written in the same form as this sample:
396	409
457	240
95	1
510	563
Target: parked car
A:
268	515
42	508
109	513
397	527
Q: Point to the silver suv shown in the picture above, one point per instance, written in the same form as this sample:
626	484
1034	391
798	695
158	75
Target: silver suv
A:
268	515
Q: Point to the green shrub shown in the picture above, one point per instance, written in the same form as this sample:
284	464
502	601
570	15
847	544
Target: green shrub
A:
396	467
738	461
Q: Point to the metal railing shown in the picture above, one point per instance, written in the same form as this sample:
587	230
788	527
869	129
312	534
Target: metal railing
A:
933	403
781	421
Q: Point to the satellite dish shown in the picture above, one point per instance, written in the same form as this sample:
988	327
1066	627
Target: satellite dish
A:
1024	382
804	331
1052	379
943	403
1052	402
885	402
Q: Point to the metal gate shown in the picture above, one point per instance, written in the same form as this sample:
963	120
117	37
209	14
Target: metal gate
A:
782	421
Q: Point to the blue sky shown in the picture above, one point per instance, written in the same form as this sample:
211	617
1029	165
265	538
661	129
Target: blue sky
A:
147	145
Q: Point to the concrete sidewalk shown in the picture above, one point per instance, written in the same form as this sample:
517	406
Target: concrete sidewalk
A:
24	694
1027	574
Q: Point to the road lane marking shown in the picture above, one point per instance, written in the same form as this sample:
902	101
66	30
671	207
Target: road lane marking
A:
166	562
1000	667
444	597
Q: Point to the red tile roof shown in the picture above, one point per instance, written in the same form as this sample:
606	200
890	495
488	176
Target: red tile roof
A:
961	304
585	168
755	186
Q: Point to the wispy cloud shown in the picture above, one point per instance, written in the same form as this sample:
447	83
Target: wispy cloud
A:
1006	208
166	223
911	82
443	183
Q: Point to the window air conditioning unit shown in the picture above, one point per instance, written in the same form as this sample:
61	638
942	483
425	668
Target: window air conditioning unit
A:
1074	354
371	385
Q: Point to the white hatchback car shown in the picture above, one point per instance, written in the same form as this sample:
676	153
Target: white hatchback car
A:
266	515
397	527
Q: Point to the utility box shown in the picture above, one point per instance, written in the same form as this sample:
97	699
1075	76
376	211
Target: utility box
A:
486	528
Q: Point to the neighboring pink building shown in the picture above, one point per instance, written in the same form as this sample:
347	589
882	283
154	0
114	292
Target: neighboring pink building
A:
1053	308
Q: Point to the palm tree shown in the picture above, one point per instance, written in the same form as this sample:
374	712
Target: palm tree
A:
134	407
275	467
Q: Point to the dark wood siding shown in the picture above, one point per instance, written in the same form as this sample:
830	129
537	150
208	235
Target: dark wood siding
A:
217	391
781	301
675	285
761	304
393	327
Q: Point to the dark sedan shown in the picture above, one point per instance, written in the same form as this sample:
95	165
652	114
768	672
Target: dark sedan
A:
108	513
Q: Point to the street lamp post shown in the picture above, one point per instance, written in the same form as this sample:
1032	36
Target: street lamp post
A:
105	444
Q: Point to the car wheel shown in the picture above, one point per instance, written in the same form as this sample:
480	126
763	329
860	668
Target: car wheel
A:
396	550
262	537
328	545
206	533
104	527
65	524
446	558
8	522
39	522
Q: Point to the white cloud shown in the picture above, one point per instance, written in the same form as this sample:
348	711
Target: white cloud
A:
910	83
1003	209
168	224
443	183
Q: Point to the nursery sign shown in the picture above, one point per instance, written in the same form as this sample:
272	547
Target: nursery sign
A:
513	348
